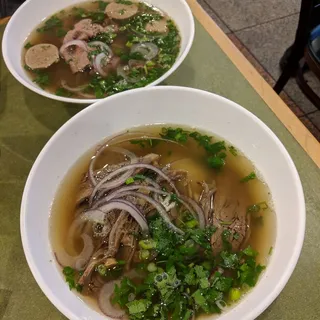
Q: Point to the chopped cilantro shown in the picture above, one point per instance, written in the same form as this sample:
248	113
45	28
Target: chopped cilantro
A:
70	274
51	23
126	2
63	92
250	176
216	162
102	5
61	33
41	78
178	134
176	284
138	306
250	252
28	45
233	150
229	260
81	13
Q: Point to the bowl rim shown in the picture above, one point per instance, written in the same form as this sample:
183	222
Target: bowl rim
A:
301	219
52	96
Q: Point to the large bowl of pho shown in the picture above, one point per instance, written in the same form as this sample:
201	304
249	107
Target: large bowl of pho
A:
80	52
187	209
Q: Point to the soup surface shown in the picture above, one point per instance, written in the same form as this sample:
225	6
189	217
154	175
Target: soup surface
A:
99	48
162	223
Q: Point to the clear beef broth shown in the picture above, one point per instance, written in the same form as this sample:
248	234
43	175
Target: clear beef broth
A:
89	78
261	224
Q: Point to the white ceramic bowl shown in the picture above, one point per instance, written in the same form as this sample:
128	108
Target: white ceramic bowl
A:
164	105
32	12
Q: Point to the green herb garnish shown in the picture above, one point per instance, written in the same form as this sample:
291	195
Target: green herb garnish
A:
250	176
42	78
126	2
63	92
70	275
257	207
102	5
28	45
61	33
130	180
178	282
51	23
178	134
233	150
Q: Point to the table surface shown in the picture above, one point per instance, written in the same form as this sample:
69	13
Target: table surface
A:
28	120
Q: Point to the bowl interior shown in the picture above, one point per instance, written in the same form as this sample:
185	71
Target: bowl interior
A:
170	105
32	12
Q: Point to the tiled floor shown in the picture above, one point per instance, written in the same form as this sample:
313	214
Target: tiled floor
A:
262	30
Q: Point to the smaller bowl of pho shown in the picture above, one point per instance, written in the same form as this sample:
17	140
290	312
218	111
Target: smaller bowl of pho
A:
161	213
80	52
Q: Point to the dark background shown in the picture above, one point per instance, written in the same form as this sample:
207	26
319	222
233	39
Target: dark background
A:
8	7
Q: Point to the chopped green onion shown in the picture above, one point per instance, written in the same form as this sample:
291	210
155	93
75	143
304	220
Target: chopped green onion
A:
147	244
129	44
121	262
102	269
144	254
234	294
150	64
139	177
152	267
130	180
250	176
192	224
270	250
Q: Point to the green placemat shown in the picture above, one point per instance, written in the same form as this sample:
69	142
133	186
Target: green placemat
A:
27	121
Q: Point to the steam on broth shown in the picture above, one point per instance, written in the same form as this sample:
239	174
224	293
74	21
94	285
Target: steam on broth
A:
98	48
162	223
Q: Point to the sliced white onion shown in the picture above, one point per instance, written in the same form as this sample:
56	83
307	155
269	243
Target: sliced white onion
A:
72	89
147	49
78	43
105	185
104	301
98	215
77	262
104	47
156	205
126	153
98	63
